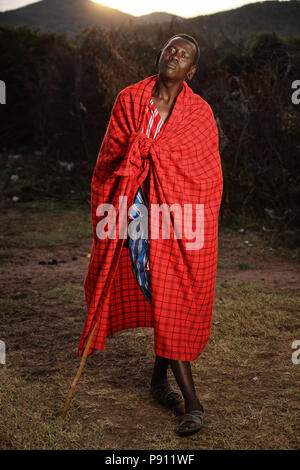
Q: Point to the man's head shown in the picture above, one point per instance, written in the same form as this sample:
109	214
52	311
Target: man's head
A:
181	52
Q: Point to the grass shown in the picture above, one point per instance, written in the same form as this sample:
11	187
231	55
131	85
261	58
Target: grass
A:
243	266
252	339
46	224
42	311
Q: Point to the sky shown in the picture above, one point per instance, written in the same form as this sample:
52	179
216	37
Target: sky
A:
185	8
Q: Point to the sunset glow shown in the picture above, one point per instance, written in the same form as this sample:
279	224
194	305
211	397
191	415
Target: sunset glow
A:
188	8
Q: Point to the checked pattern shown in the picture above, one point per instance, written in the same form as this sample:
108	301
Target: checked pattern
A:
182	166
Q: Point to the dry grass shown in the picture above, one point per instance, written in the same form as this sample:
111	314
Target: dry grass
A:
42	314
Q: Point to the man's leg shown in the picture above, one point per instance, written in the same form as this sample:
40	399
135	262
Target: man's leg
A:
159	374
183	375
160	379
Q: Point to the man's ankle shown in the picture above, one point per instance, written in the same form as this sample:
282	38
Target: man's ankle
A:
158	380
192	404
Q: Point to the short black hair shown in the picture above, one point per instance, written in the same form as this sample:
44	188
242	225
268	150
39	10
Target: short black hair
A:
184	36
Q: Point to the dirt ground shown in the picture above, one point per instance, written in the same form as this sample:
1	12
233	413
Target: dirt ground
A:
245	377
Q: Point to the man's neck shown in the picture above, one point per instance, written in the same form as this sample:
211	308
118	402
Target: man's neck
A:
165	90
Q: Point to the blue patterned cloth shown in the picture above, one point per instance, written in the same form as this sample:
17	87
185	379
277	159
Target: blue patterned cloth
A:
139	248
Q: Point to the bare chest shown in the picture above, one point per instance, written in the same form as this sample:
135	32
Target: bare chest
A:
163	108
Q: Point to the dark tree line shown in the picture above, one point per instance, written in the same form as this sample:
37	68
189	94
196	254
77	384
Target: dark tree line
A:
60	94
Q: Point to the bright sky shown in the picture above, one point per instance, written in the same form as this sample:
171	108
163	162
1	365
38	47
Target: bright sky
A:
185	8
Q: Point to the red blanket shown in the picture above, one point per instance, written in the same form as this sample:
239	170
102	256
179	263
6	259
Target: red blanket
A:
184	169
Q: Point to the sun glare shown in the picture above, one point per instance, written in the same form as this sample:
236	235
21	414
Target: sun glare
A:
137	8
186	9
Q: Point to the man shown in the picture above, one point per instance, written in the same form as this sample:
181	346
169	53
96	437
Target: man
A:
180	166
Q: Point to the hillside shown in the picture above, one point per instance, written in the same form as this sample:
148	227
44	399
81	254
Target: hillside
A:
67	16
72	16
244	22
156	17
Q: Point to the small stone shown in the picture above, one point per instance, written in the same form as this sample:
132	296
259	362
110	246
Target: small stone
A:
68	166
14	157
14	178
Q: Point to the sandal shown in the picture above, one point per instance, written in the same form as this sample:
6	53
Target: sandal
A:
165	394
196	417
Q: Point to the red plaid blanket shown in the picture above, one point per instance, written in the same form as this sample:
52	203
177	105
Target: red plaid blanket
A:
185	174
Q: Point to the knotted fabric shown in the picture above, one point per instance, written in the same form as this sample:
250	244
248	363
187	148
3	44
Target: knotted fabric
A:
139	146
185	182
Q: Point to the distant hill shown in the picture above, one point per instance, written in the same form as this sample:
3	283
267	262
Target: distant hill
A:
72	16
156	17
281	17
66	16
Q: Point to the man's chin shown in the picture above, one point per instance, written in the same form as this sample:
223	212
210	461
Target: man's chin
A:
169	73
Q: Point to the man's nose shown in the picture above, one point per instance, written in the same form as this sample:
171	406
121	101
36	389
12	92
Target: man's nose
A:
175	56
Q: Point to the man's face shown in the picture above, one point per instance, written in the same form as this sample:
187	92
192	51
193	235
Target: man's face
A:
177	58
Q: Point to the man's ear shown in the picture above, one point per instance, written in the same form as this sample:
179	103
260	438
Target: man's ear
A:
157	58
191	72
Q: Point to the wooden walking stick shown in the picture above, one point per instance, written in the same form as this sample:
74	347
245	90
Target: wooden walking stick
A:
77	377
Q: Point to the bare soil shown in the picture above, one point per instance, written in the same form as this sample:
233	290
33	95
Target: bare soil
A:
245	377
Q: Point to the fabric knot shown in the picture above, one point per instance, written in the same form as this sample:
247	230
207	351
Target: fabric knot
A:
138	150
144	145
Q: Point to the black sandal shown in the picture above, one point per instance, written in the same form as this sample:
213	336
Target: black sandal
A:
196	417
165	394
